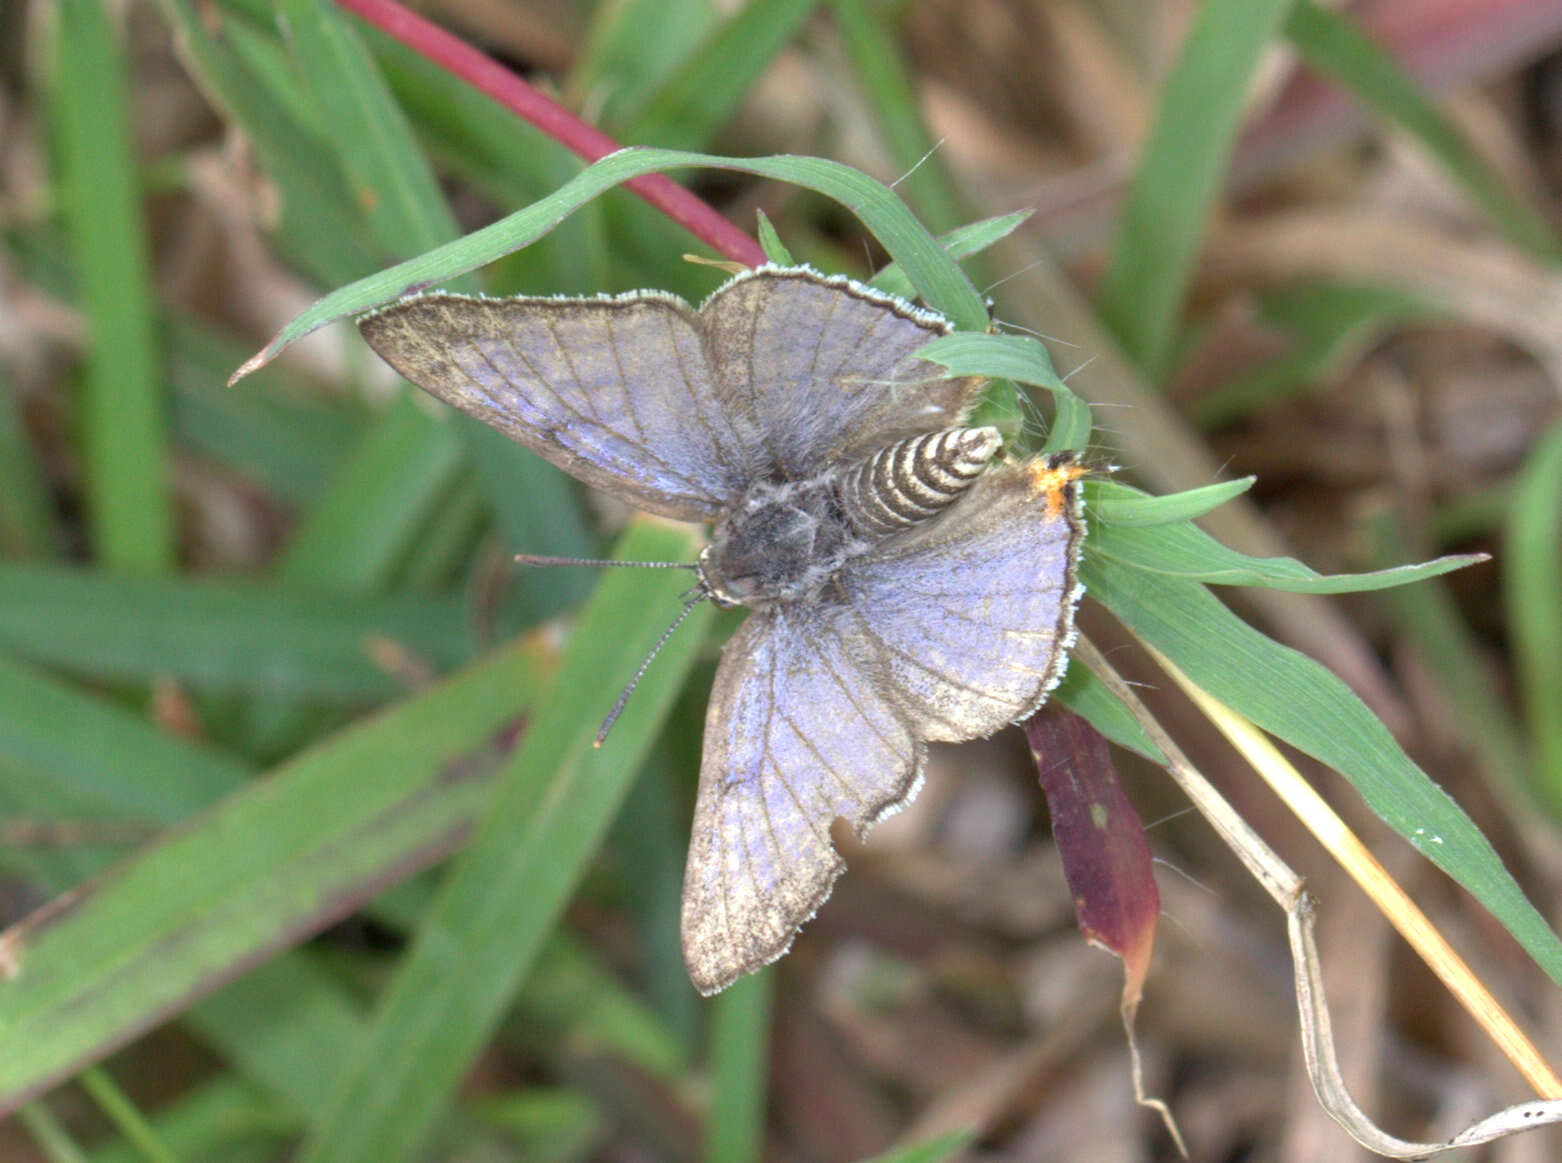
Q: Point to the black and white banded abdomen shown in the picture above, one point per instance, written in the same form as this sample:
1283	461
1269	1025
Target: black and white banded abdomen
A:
915	478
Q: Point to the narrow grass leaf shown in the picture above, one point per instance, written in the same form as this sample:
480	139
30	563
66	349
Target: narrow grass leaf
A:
1333	44
125	1115
1533	576
769	241
278	434
1085	695
1019	358
393	187
704	92
87	745
959	243
224	635
879	67
1295	699
267	866
1185	551
1129	508
121	415
27	525
318	230
506	892
934	275
739	1068
1330	324
1175	187
632	48
1428	617
222	1118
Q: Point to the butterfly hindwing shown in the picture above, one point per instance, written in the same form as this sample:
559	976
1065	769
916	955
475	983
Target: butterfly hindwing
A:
795	736
969	617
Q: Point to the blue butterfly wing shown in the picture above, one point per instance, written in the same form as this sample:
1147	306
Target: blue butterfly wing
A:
825	366
796	734
968	618
617	392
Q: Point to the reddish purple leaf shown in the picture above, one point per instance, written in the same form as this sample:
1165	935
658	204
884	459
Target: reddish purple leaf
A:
1106	858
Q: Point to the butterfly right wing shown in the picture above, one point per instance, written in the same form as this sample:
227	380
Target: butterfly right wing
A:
617	392
795	736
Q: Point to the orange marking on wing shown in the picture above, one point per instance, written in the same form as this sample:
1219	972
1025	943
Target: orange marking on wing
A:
1052	482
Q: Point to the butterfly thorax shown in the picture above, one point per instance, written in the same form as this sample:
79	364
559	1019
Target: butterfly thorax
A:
785	540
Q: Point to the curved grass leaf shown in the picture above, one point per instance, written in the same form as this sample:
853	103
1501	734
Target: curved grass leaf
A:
1015	357
961	242
1295	699
1128	508
931	271
1183	550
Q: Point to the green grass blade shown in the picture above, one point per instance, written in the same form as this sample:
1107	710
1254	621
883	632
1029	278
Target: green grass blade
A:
223	1118
631	50
704	92
1533	568
1084	694
363	526
49	1134
224	635
318	230
880	69
1183	550
392	185
268	865
1178	180
932	272
279	434
739	1068
27	527
1022	359
1334	45
1331	325
1295	699
505	893
125	1115
124	442
961	242
102	753
1130	508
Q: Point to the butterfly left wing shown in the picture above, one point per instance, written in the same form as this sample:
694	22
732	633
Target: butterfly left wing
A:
618	392
970	616
796	735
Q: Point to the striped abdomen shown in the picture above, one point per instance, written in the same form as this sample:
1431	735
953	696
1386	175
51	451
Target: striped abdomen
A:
915	478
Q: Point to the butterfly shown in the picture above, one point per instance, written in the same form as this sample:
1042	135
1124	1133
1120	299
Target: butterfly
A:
906	584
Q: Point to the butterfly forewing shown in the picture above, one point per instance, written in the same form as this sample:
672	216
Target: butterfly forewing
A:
797	734
826	366
617	392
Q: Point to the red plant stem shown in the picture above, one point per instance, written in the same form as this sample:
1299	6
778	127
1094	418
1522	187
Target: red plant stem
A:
489	77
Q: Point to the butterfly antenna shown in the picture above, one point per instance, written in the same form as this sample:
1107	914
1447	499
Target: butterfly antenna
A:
540	560
623	699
